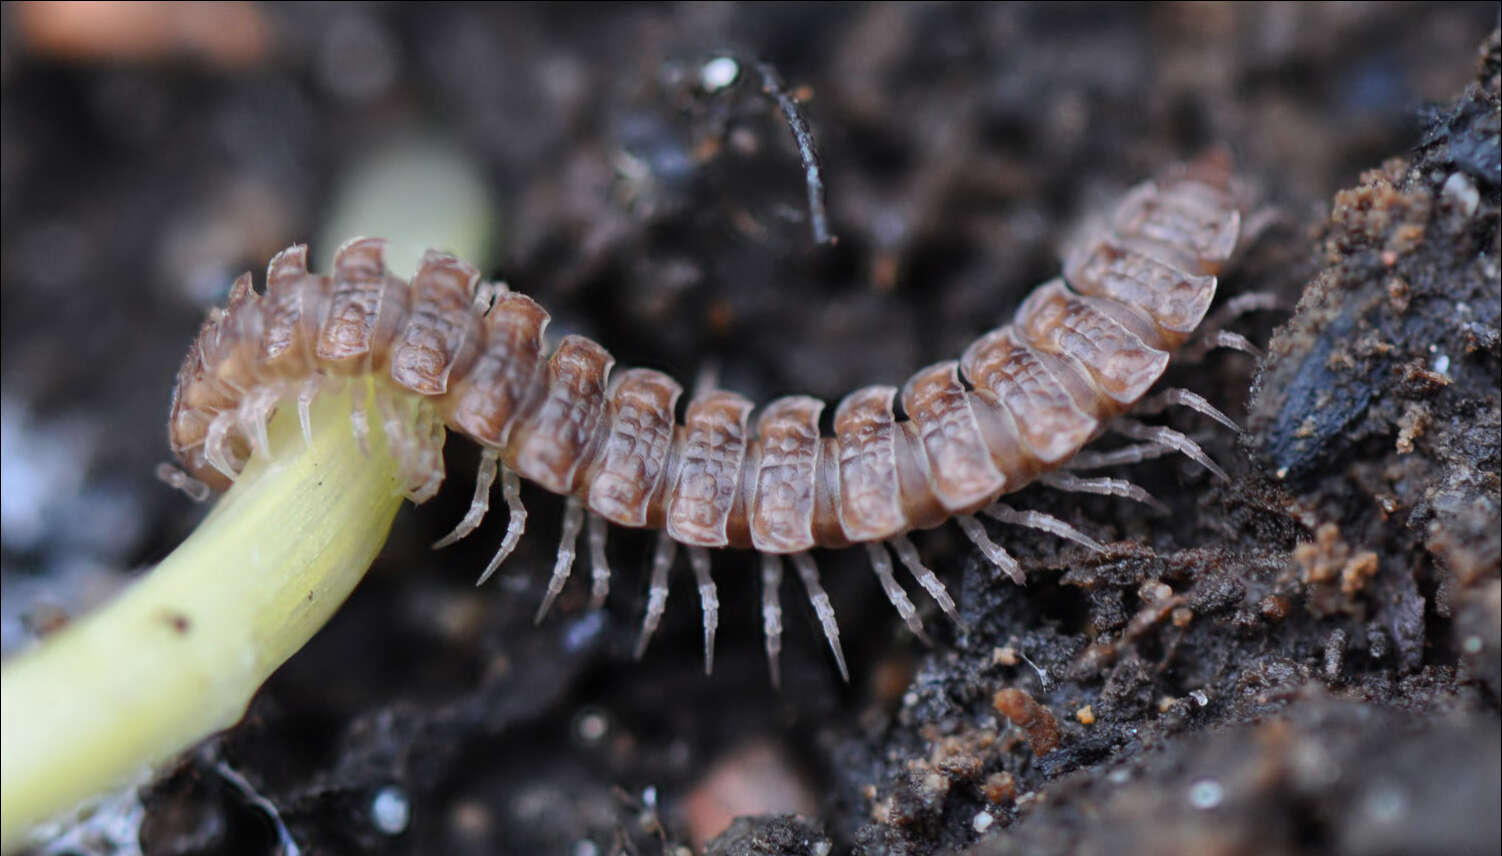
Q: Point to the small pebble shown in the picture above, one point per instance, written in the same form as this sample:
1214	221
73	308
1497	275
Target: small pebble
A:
719	73
390	810
1205	794
1459	190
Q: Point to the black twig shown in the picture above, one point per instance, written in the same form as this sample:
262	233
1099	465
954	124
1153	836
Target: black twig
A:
772	85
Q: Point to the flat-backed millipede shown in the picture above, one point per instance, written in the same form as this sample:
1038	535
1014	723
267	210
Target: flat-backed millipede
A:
1018	406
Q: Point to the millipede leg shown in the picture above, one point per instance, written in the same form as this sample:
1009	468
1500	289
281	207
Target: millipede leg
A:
573	521
516	522
771	612
478	506
401	441
809	573
359	420
195	489
908	555
1242	304
599	566
1227	339
1165	436
1212	334
657	590
1092	460
430	436
881	563
255	409
992	550
1103	486
1042	522
707	378
305	394
430	484
1184	398
709	602
216	444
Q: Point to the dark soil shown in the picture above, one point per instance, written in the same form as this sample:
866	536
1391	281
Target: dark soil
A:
1303	660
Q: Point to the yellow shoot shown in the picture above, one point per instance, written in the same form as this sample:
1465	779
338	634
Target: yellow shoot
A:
178	656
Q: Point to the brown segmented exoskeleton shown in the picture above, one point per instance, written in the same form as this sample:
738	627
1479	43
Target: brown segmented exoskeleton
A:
1018	406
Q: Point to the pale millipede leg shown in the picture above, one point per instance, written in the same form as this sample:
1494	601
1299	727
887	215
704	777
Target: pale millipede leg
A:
1242	304
516	522
599	566
431	440
195	489
1164	436
1091	460
255	409
771	613
1184	398
809	573
399	440
428	489
438	432
908	555
573	521
1212	340
998	555
216	442
707	379
359	420
881	563
1043	523
305	395
657	589
1103	486
478	506
709	602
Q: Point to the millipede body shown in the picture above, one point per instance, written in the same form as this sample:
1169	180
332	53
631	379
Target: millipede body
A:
1018	406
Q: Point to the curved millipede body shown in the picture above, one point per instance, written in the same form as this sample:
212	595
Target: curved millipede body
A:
1019	405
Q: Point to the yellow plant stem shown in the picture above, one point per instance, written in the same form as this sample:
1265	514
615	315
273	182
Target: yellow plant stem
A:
178	656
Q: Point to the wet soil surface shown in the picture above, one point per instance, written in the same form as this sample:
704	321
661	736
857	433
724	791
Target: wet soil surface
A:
1304	659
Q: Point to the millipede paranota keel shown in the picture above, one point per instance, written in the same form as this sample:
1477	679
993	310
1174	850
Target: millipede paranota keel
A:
1018	406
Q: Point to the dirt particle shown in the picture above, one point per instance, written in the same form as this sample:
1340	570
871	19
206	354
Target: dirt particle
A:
1273	607
1355	573
471	820
1462	193
756	779
1000	788
782	835
1329	566
1427	379
1411	426
1085	715
1398	292
1335	650
44	619
1035	720
178	621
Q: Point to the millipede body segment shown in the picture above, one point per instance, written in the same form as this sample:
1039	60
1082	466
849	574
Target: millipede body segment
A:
1020	404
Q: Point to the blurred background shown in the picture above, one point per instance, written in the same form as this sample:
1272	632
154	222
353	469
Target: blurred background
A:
621	165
